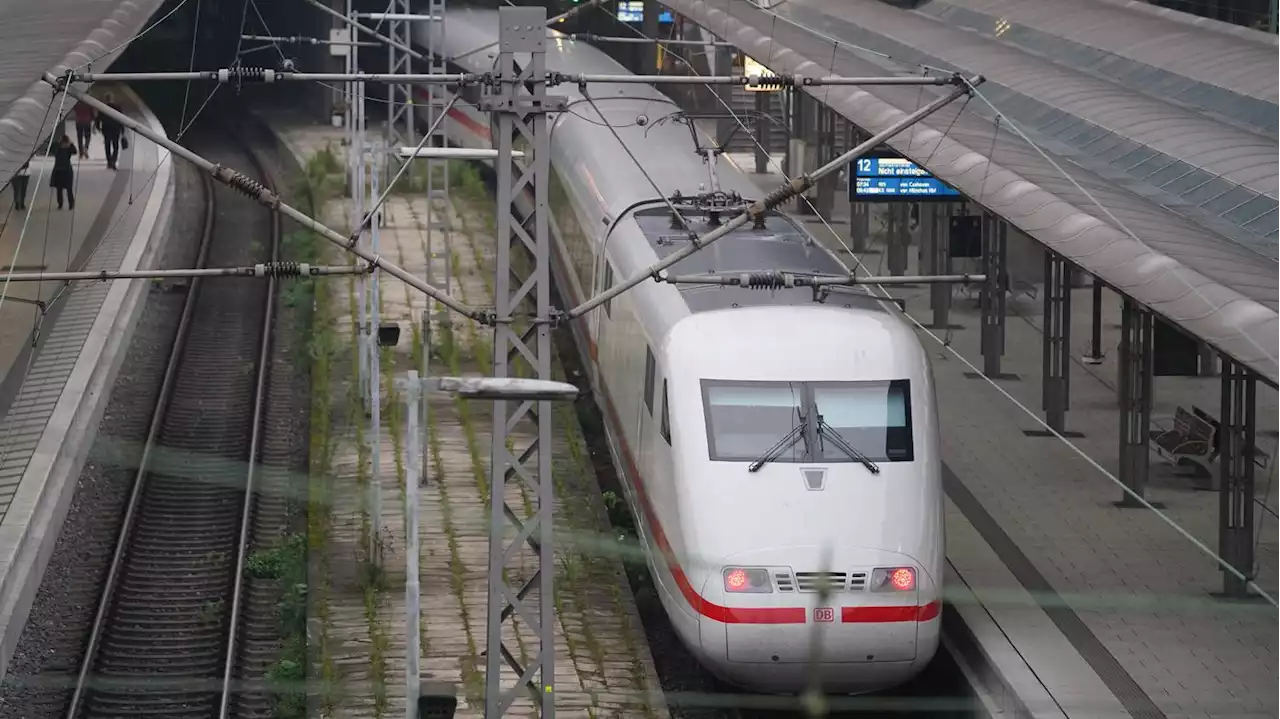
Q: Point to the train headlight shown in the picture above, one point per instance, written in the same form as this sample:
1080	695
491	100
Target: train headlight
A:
747	580
893	579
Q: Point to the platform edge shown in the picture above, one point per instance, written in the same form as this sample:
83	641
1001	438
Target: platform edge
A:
72	428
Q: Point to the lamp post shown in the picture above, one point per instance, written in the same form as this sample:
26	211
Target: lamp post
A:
416	388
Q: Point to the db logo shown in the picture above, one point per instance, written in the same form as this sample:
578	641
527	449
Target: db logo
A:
824	614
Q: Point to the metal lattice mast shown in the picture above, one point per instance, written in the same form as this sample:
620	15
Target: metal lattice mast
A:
400	129
437	169
438	217
358	185
521	104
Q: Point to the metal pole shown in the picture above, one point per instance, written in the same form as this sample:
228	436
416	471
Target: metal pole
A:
438	108
521	105
358	190
400	116
414	398
1095	322
787	191
765	280
1236	488
933	219
374	351
265	197
589	37
269	76
299	40
426	406
275	269
763	132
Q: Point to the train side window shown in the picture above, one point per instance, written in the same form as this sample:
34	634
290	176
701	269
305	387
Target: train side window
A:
606	286
665	427
649	367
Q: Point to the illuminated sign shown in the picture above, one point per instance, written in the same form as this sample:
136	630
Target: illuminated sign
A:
751	68
633	11
886	178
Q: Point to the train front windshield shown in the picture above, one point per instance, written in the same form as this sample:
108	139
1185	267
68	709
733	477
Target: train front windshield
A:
746	419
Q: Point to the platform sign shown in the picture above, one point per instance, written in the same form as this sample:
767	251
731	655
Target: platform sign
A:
633	11
751	68
885	177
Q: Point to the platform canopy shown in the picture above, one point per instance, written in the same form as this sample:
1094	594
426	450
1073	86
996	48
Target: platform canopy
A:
39	36
1187	223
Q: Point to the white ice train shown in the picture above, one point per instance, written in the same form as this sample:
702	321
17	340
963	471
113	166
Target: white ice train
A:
698	382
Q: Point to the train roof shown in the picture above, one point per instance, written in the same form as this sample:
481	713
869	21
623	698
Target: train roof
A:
622	141
780	245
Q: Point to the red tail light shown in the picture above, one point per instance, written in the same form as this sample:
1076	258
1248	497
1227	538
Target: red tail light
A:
747	580
893	579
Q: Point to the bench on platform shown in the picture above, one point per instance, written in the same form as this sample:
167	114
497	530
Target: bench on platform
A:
1196	440
1260	458
1192	440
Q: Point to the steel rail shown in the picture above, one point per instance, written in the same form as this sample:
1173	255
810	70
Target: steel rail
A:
255	440
139	479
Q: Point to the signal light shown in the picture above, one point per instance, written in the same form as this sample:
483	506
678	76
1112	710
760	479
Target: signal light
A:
893	579
747	580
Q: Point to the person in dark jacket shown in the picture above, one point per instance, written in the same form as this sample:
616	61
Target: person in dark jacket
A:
19	184
63	177
85	117
111	131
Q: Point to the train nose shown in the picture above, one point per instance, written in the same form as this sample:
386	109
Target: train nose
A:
879	612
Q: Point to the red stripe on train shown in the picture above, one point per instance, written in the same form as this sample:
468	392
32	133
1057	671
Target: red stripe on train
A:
458	116
744	615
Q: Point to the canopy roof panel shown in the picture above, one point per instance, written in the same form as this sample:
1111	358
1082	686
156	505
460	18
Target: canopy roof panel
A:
52	36
1220	69
1215	289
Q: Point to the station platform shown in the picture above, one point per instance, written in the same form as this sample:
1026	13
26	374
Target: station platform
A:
603	664
1078	608
54	390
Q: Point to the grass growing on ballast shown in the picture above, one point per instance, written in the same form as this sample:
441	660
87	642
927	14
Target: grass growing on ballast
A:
582	568
286	563
321	182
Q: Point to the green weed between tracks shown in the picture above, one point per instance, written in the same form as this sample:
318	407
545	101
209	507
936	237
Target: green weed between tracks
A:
585	568
322	181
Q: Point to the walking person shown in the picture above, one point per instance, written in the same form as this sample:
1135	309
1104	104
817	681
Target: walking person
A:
63	177
111	131
85	117
19	183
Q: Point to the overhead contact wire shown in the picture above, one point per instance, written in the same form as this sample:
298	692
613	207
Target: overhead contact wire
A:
1226	566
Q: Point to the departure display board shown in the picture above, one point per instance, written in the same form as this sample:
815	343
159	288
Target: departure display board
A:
633	11
884	177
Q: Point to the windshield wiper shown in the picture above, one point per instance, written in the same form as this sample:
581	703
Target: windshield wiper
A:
825	430
787	442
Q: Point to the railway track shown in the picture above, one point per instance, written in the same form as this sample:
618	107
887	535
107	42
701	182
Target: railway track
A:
175	620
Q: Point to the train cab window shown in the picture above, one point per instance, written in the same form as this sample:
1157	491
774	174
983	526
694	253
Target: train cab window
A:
665	427
873	417
649	368
746	419
606	285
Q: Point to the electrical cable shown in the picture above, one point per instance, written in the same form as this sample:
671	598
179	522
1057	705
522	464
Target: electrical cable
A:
643	171
1162	515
